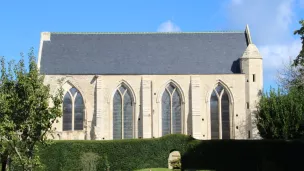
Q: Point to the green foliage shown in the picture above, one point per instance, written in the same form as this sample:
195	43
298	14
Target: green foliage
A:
121	154
240	155
155	169
280	114
25	115
106	163
300	58
195	154
297	80
89	161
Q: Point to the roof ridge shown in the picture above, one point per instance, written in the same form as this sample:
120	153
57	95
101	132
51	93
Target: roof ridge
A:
147	32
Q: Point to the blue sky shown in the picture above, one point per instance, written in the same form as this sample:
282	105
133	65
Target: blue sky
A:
271	22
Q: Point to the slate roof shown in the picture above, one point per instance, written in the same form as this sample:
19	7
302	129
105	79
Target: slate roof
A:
143	53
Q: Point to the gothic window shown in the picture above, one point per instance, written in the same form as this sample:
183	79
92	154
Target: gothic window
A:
220	115
73	110
123	114
171	111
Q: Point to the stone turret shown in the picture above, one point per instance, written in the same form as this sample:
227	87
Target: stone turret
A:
252	67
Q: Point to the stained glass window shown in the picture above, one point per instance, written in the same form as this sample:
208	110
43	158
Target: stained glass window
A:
78	112
225	116
73	110
171	111
176	113
219	108
123	114
166	113
67	112
214	116
117	116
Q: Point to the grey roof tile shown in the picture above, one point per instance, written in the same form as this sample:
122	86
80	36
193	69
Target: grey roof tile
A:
142	53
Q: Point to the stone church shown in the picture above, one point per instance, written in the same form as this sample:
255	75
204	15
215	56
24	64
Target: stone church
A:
147	85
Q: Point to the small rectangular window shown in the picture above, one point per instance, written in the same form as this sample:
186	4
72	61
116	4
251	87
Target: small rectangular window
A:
247	105
248	134
253	77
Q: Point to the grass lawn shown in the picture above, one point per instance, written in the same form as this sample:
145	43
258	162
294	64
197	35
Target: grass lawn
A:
164	169
155	169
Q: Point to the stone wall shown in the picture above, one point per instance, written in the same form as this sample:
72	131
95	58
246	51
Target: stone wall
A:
147	90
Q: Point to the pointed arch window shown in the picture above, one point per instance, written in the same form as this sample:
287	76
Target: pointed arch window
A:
171	110
220	114
73	110
123	114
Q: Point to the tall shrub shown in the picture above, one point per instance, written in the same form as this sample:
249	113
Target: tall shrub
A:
25	114
280	114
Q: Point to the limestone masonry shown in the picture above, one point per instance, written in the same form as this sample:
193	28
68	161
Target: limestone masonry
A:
145	85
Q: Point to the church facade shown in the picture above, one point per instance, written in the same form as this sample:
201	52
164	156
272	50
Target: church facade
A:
147	85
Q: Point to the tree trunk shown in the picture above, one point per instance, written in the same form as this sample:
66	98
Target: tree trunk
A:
4	158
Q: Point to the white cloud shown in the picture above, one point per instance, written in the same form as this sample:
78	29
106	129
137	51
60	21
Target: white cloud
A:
168	26
276	54
269	22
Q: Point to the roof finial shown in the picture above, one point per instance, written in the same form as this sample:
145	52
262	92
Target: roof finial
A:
248	34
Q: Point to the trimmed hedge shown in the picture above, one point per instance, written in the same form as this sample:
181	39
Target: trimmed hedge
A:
122	154
245	155
153	153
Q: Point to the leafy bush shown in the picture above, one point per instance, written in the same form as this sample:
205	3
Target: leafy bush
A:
195	154
89	161
280	115
121	154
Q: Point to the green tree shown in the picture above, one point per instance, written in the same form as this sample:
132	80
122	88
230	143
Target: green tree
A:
298	63
280	114
300	58
25	115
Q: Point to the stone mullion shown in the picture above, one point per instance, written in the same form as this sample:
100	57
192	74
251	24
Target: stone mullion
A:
122	114
133	119
73	110
122	118
220	118
220	114
171	125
